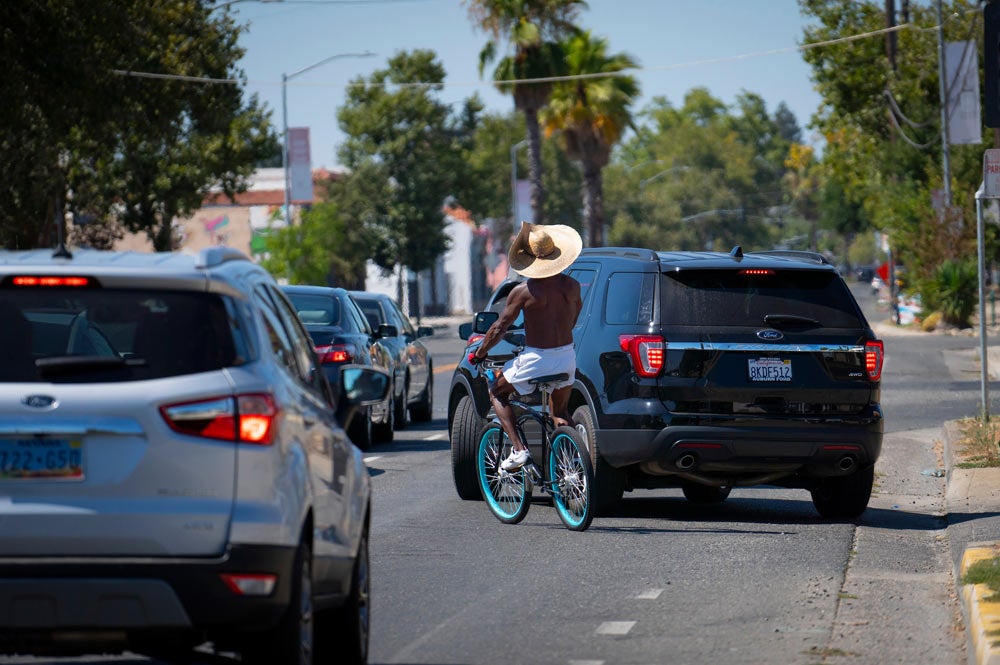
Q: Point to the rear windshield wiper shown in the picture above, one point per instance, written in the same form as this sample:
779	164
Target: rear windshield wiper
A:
64	365
792	319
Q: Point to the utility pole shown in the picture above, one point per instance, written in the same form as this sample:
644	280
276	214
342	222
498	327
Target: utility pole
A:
946	158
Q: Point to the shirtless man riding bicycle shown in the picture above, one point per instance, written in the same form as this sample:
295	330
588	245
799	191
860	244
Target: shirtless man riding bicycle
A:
551	303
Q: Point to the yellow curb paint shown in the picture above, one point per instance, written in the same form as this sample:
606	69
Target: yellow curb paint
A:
984	615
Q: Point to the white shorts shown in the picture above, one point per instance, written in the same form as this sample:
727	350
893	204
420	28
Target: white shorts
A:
532	363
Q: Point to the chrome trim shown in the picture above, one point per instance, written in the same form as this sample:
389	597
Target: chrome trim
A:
780	348
78	426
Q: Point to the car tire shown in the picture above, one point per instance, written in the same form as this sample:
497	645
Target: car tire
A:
291	642
360	430
383	432
464	443
845	496
423	411
343	633
609	482
401	414
698	493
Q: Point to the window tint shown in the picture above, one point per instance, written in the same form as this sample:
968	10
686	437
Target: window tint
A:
372	312
276	333
301	342
728	297
109	335
630	298
317	309
356	317
402	321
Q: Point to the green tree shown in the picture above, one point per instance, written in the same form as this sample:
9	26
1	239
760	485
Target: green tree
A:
590	114
411	149
152	152
534	30
881	122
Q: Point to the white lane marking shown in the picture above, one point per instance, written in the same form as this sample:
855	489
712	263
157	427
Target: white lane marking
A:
615	627
372	459
586	662
435	437
651	594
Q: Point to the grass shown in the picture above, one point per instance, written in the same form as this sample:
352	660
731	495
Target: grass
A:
979	445
985	572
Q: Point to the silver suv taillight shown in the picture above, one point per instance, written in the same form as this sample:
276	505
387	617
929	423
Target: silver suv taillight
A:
247	418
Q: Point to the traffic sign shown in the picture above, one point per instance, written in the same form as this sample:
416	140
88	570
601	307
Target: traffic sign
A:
991	173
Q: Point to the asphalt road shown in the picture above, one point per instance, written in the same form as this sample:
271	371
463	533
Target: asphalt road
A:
757	579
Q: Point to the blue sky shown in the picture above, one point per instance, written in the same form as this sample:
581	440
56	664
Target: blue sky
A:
725	46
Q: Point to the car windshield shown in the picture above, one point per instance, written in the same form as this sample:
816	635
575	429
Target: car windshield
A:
105	335
316	309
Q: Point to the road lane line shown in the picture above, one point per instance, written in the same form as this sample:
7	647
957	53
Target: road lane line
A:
615	627
435	437
445	368
586	662
371	459
651	594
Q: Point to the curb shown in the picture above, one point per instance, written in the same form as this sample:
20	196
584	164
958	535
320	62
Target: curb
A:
982	613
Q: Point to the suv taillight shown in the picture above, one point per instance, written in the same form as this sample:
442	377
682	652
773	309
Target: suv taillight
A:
646	351
335	353
473	338
244	418
874	355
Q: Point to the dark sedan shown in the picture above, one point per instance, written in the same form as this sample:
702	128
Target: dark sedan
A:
341	336
414	377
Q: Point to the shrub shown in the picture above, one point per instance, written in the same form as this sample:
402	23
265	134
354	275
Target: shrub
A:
932	321
953	291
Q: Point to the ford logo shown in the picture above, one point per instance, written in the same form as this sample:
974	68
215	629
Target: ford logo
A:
770	335
39	401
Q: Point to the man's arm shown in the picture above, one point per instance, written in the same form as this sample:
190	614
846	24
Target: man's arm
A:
515	303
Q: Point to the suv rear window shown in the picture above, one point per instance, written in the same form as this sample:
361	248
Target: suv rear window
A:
108	335
736	298
316	310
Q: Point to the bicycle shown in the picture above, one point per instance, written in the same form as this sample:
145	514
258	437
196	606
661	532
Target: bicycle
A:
567	472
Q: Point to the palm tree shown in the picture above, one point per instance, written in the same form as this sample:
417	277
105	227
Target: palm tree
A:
590	113
534	29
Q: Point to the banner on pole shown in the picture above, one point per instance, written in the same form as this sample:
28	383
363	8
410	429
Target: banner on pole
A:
299	165
962	75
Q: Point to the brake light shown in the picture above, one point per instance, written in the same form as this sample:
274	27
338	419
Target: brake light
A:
757	272
874	356
335	353
473	338
35	280
245	418
250	584
647	352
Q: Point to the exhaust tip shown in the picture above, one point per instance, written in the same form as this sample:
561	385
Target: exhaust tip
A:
846	463
686	462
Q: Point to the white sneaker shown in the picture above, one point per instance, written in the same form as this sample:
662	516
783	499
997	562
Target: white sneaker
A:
516	460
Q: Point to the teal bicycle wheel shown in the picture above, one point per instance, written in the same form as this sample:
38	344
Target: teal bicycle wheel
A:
571	477
507	494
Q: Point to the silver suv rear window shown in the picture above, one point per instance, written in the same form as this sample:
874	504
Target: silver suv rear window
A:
68	335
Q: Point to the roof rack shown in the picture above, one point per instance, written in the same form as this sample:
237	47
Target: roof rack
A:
799	254
215	256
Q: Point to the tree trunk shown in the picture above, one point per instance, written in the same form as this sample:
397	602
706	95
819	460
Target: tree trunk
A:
593	206
535	166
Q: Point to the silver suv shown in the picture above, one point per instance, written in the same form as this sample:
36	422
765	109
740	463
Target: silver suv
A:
171	468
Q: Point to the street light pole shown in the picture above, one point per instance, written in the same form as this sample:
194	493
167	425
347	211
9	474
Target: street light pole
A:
285	78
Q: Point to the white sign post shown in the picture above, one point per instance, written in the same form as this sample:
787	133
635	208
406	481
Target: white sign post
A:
990	189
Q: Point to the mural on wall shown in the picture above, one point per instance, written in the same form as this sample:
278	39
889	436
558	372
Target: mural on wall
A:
213	225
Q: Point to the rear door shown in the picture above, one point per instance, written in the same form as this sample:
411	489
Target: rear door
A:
89	464
771	342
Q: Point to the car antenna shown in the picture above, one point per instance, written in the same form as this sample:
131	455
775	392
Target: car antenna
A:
737	253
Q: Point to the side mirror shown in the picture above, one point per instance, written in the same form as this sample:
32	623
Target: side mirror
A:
483	320
465	331
385	330
424	331
363	386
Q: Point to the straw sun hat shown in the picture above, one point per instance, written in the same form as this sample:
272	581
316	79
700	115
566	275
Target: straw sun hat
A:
543	250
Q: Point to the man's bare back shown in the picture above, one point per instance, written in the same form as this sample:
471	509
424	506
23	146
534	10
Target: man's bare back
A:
550	305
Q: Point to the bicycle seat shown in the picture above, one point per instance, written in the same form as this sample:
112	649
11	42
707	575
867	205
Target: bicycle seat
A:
549	378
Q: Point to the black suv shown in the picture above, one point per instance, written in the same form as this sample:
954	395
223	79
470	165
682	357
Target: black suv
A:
707	371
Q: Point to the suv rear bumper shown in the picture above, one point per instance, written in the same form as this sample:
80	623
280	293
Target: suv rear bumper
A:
747	448
86	594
